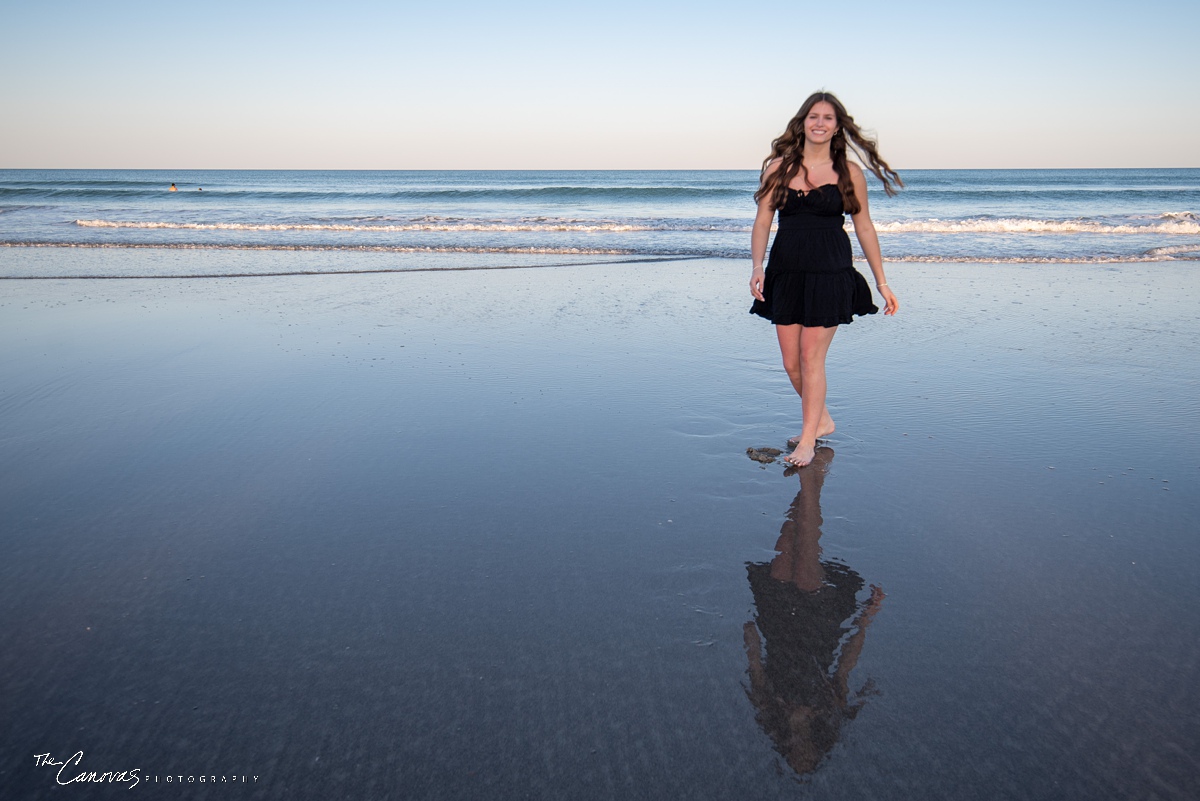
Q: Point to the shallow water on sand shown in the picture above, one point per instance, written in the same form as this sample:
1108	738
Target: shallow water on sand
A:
496	533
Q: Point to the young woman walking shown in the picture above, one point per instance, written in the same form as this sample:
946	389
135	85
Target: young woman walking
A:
810	286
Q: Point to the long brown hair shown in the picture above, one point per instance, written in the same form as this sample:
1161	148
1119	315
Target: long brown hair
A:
789	149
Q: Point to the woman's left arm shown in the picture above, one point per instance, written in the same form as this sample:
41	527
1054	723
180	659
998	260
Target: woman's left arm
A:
864	229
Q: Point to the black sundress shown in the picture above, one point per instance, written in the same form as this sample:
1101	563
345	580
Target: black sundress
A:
810	278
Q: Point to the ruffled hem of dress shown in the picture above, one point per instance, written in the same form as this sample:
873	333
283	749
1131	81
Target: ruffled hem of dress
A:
814	299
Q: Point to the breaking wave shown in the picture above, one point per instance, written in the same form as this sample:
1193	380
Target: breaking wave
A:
543	226
1159	254
1170	224
1173	224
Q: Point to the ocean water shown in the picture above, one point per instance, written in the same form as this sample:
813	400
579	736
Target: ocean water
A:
498	218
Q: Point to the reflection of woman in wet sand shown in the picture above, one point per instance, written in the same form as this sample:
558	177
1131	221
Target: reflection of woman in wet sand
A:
800	684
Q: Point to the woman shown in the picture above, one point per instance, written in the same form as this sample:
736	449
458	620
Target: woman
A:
811	286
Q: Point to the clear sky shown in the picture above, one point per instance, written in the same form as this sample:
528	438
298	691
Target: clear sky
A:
408	85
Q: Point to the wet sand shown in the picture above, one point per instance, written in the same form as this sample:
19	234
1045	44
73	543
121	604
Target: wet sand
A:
496	534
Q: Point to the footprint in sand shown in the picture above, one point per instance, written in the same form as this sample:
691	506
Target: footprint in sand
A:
763	455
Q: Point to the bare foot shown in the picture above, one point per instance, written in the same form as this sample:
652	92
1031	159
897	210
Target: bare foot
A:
824	430
801	456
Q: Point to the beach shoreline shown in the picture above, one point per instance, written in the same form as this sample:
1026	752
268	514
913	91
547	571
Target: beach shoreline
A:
337	531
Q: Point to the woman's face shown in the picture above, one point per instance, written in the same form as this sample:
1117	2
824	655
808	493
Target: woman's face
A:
821	123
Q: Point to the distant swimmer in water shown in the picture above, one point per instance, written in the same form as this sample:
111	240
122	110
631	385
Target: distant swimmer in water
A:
199	188
173	189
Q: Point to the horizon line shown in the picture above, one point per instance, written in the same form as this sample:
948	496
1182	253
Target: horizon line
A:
558	169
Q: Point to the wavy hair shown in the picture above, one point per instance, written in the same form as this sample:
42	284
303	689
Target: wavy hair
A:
788	147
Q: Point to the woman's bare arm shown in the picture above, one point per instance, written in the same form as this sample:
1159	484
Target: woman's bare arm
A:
760	234
864	229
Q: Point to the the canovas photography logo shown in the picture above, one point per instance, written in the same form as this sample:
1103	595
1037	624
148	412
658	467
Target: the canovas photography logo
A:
72	771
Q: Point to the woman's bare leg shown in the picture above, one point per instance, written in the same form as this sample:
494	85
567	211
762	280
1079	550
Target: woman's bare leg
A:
789	347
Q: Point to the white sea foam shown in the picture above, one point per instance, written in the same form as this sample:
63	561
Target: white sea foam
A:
1163	254
571	226
1142	258
516	250
1178	251
1175	225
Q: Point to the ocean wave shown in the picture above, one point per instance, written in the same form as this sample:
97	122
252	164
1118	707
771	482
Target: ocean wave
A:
1169	224
1161	254
1141	258
564	193
567	192
45	192
1188	252
573	226
157	184
613	192
512	250
1041	192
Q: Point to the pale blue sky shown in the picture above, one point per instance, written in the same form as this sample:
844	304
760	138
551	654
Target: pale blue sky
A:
369	85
